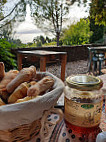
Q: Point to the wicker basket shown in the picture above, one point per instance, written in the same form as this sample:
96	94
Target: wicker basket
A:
21	133
26	131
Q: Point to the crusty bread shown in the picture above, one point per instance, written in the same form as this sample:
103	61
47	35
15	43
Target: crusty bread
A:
4	94
27	98
8	77
2	70
26	74
31	83
41	86
19	93
1	102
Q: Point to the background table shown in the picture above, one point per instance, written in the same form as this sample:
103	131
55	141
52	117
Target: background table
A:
45	57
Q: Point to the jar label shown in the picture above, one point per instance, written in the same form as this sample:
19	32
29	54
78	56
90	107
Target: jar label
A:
83	115
87	106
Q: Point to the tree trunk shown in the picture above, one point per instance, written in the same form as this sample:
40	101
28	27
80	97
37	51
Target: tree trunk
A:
58	37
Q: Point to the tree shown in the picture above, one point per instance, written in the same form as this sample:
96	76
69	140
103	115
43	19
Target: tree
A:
29	44
38	41
98	11
42	39
77	34
39	44
2	2
5	33
98	32
51	15
51	11
48	40
13	17
97	20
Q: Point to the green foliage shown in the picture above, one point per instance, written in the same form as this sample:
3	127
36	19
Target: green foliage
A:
50	44
6	33
6	56
98	11
98	32
29	44
48	40
40	40
79	2
2	2
39	44
77	34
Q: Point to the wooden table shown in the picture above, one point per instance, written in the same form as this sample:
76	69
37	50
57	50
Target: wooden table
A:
45	57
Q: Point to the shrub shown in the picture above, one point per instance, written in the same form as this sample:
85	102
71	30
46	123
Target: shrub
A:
6	56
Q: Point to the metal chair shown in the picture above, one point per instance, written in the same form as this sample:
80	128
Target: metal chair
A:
101	58
94	60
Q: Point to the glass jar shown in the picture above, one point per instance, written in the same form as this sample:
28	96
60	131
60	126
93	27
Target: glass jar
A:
83	103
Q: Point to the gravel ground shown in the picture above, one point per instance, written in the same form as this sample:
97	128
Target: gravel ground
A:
72	68
75	67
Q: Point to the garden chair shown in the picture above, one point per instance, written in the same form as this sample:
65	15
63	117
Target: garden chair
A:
93	60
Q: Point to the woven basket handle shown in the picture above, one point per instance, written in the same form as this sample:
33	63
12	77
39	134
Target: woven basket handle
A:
44	120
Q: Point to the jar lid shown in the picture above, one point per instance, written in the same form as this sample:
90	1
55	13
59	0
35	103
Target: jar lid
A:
84	82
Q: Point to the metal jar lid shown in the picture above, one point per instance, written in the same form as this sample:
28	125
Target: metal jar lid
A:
84	82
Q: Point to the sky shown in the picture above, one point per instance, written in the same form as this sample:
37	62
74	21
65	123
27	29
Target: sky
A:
26	31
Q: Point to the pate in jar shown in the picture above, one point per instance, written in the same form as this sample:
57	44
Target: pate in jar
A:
83	103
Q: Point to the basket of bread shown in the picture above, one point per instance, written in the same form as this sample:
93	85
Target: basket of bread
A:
25	95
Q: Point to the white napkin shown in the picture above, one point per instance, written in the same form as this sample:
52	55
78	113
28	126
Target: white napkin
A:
101	137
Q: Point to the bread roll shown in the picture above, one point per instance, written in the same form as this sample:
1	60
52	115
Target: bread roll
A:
1	102
31	83
19	93
24	75
24	99
41	86
4	94
8	77
2	71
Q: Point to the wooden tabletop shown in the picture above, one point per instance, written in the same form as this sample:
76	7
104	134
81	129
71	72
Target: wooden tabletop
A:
41	52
